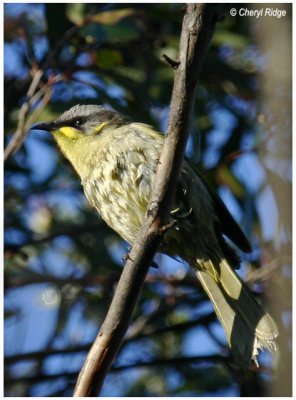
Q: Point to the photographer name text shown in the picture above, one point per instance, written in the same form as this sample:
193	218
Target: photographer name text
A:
262	12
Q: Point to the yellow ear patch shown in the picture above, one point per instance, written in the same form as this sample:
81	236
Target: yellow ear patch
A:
67	131
99	127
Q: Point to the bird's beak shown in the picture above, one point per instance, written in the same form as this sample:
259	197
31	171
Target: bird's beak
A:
46	126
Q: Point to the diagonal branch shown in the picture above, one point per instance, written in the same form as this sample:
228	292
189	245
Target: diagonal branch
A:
197	29
21	131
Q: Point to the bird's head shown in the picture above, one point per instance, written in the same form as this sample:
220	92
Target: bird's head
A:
83	121
78	130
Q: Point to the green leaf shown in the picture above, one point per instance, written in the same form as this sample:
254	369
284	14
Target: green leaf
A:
111	17
106	58
76	13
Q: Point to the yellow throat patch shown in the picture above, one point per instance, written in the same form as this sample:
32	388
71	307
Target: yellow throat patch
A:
67	131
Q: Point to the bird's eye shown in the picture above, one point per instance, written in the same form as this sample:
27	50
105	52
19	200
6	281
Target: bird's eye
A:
78	122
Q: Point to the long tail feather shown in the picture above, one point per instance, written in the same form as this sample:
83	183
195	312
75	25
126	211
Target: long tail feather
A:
248	327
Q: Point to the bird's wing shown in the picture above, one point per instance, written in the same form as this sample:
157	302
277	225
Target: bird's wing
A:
229	226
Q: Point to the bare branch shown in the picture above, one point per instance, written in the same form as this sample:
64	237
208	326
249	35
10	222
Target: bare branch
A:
21	132
204	321
177	362
72	232
43	103
197	29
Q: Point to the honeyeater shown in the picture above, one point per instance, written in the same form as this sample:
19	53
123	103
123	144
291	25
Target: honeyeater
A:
116	160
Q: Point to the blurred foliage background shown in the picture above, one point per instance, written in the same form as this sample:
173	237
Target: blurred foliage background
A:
62	262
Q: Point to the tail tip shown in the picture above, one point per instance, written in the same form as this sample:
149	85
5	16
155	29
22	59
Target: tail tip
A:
260	345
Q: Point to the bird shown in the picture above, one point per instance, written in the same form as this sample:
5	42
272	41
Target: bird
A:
116	160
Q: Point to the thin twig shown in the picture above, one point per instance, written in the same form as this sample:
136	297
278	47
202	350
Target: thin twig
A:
43	103
172	63
176	362
21	131
197	30
179	327
72	232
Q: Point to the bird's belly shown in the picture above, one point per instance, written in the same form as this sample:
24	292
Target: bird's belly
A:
120	203
124	213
